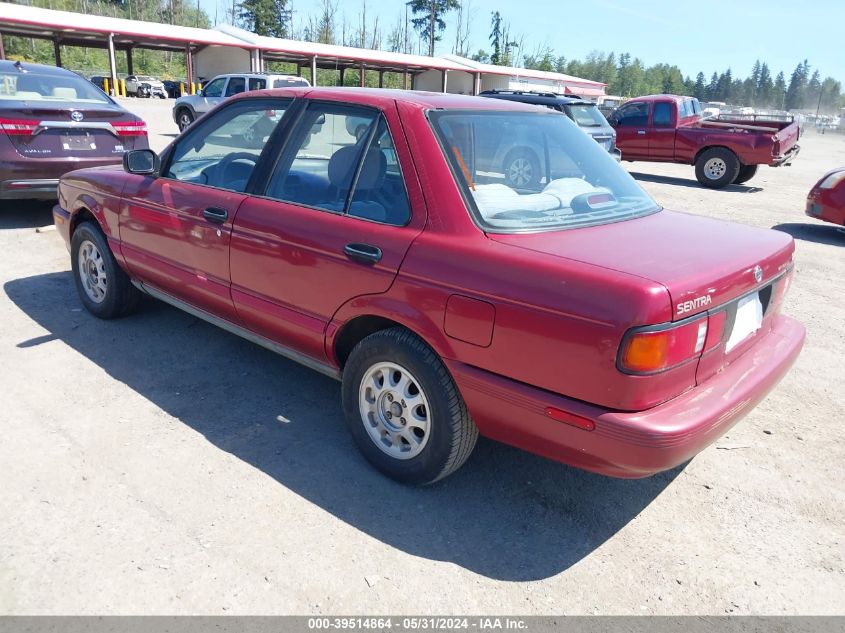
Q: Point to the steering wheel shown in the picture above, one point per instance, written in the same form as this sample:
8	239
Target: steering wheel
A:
226	163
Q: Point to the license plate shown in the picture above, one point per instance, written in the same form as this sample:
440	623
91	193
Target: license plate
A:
78	142
749	319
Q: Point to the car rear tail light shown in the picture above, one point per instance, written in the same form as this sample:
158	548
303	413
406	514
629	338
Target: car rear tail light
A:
19	127
130	128
655	349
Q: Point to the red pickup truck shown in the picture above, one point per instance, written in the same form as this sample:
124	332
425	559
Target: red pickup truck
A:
670	129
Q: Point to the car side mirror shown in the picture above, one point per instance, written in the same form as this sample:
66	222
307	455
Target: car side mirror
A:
143	162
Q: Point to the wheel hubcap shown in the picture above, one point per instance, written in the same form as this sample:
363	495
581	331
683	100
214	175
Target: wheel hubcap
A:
520	172
92	272
715	168
394	410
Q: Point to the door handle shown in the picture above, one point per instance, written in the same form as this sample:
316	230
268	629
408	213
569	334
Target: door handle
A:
363	253
641	132
215	215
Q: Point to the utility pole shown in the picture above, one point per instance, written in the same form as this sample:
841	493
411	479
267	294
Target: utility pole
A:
432	18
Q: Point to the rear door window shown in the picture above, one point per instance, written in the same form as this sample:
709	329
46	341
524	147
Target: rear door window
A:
235	86
662	114
256	83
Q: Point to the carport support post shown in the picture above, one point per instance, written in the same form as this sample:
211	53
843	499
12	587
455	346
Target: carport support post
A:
57	52
405	79
130	67
112	67
363	76
189	67
314	70
2	48
444	81
381	79
476	83
342	73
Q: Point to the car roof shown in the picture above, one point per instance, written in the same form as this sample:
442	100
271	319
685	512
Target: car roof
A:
665	97
8	66
385	97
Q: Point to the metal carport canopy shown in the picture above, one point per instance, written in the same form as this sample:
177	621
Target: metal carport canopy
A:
65	28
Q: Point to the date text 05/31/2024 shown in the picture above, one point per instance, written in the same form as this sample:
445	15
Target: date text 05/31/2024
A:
416	623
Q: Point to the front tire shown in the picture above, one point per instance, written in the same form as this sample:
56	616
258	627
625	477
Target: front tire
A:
104	289
717	167
184	118
404	410
746	173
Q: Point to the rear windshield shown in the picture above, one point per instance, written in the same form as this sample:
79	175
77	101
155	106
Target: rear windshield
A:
522	171
33	86
587	115
289	82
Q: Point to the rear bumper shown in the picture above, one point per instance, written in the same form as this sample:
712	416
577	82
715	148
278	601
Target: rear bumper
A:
39	177
817	208
625	444
19	189
788	157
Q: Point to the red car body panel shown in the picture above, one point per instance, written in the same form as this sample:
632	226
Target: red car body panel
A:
828	204
524	322
687	136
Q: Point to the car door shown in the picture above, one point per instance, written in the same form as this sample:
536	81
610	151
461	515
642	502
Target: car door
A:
234	86
175	229
631	123
212	94
337	215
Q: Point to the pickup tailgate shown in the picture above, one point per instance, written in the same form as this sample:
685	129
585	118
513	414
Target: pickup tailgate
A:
785	140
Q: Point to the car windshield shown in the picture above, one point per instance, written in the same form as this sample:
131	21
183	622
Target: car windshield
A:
33	86
145	78
587	115
522	171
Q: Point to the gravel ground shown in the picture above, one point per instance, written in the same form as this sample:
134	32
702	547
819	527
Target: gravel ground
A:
157	464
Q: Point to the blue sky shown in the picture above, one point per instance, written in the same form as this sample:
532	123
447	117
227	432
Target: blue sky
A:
709	36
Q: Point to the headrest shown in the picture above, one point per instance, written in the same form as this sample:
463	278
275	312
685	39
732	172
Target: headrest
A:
64	93
345	159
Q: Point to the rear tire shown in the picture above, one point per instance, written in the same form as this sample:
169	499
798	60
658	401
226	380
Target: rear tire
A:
404	410
746	173
104	289
717	167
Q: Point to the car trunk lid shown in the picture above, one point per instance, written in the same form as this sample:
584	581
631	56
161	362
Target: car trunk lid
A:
66	129
707	266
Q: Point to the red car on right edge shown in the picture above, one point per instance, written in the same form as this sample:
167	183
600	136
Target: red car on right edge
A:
827	198
374	236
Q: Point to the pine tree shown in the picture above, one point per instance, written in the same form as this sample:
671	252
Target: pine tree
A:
429	20
797	89
700	89
265	17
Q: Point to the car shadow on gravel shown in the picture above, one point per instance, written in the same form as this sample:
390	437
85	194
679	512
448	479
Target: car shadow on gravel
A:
506	514
25	214
820	233
690	182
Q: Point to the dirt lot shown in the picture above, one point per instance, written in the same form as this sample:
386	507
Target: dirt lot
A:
156	464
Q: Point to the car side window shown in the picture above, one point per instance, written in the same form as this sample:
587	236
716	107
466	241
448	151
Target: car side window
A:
257	84
215	88
235	86
662	114
223	151
342	159
633	115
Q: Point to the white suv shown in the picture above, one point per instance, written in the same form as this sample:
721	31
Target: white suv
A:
188	108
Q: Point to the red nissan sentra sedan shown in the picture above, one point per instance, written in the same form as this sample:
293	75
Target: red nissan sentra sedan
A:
826	200
577	320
